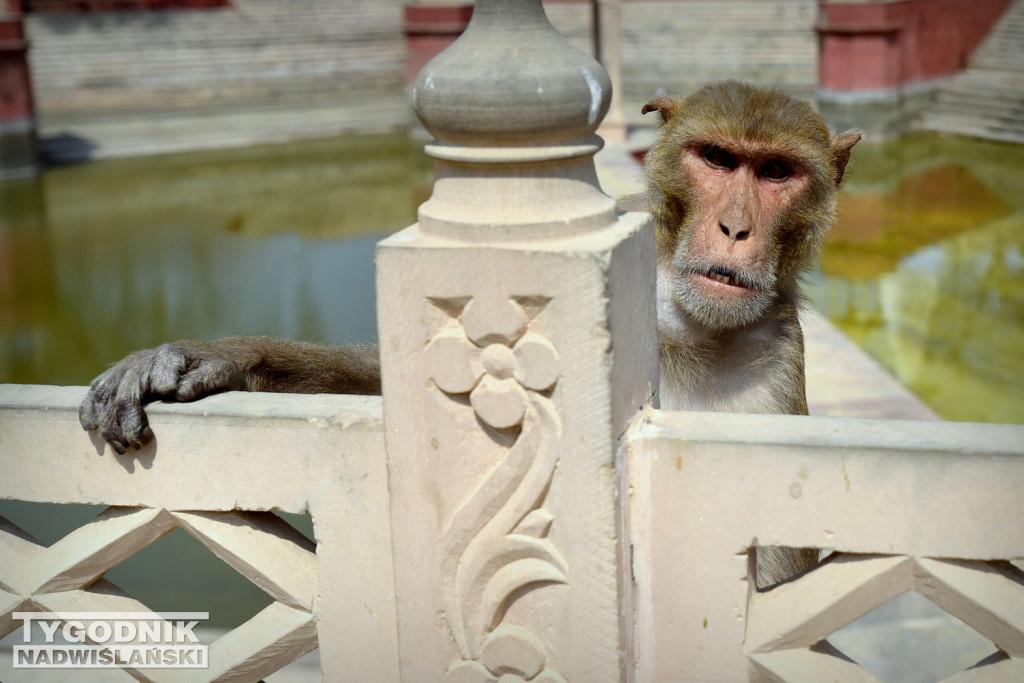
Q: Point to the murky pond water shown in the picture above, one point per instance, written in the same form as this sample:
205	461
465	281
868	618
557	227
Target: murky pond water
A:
100	259
925	270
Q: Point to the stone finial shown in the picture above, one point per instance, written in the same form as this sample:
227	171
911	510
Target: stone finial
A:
509	104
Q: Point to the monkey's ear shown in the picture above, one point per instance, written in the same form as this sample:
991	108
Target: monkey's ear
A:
666	106
841	146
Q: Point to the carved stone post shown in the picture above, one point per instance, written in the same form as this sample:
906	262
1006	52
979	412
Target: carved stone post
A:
518	339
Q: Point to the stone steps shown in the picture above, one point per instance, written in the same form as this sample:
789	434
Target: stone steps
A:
361	89
140	135
265	69
97	73
998	99
989	128
987	99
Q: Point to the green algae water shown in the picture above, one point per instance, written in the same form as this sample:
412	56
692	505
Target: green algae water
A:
925	270
103	258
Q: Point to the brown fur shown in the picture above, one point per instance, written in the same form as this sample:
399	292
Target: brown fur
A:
188	370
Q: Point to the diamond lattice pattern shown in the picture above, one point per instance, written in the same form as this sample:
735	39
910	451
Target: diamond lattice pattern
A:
787	626
68	577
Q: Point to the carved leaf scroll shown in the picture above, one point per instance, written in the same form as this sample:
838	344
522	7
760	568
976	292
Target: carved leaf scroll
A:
497	545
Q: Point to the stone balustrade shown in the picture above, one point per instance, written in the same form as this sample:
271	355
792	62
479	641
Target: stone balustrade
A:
901	505
513	508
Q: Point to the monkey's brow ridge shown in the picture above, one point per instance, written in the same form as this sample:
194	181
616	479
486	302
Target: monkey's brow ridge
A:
747	149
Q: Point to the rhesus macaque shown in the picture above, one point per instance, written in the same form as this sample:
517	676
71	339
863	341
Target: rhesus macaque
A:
743	186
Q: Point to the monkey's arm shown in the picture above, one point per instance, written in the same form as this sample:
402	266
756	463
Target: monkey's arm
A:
188	370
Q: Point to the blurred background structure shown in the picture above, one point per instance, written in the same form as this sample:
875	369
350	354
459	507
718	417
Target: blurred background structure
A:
133	77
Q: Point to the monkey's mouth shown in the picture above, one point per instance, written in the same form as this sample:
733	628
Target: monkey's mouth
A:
726	276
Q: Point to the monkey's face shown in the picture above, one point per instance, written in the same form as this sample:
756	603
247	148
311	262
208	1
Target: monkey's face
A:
741	201
743	184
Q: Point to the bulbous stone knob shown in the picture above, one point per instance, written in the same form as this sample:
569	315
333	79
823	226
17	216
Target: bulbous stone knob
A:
513	107
511	80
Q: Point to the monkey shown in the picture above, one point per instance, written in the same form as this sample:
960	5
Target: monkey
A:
743	186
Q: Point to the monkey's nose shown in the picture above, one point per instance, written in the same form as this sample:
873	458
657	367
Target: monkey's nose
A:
733	234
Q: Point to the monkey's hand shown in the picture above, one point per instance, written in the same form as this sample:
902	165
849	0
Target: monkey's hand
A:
188	370
180	371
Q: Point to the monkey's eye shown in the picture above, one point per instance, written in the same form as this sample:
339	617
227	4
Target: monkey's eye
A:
718	157
776	170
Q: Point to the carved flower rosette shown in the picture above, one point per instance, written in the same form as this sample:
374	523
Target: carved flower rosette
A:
496	545
494	358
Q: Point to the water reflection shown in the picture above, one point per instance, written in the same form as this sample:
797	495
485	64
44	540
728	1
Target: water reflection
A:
925	270
102	259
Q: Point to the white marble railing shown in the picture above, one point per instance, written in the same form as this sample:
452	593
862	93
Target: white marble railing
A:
904	506
216	469
931	507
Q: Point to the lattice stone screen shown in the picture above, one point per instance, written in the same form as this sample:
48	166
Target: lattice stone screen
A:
216	470
905	506
67	577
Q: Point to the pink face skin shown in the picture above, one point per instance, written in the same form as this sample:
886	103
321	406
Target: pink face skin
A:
728	258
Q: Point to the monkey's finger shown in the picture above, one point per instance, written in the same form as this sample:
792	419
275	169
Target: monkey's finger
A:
109	425
90	410
87	414
193	387
128	429
133	425
143	438
114	440
164	370
107	416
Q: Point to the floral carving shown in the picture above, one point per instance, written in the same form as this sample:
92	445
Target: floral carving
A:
496	545
494	359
